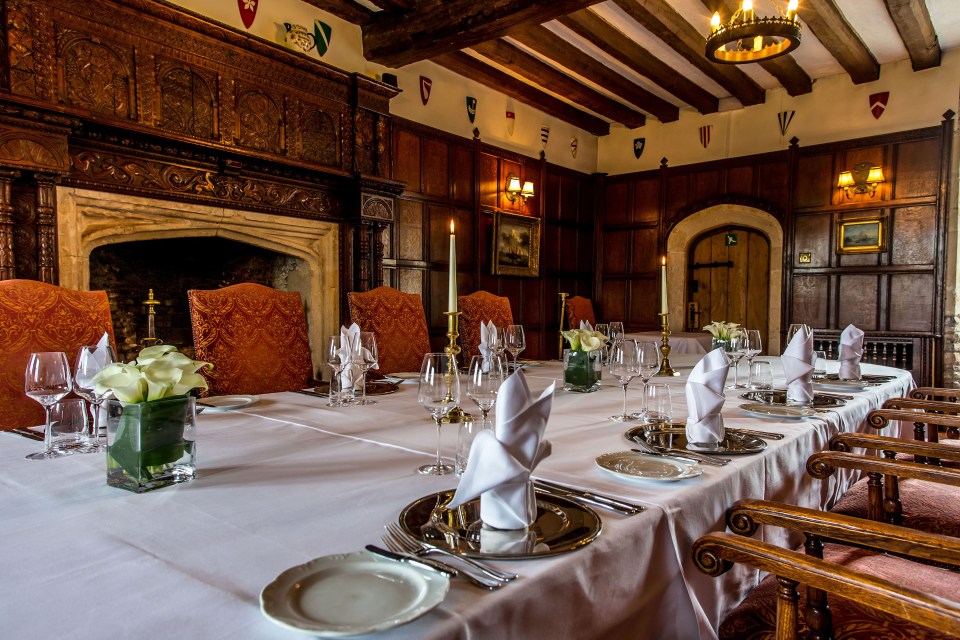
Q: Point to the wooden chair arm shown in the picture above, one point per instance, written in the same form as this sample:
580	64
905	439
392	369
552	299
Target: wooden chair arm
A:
847	441
950	408
715	553
947	394
745	517
880	418
823	463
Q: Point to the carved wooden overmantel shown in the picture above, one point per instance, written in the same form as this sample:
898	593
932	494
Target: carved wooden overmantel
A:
143	97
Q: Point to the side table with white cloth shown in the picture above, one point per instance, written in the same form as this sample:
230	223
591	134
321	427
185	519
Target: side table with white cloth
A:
288	479
680	342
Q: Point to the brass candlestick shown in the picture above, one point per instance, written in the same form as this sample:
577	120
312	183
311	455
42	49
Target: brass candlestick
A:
455	415
151	338
563	315
665	369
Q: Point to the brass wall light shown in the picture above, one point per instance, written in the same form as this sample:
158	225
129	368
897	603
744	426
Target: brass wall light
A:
515	190
863	178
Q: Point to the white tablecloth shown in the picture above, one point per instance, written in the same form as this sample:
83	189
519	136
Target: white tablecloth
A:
288	479
698	343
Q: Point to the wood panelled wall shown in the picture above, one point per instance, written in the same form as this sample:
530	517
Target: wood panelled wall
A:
897	293
449	177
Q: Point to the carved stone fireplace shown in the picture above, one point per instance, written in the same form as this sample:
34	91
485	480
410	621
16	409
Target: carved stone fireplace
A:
88	219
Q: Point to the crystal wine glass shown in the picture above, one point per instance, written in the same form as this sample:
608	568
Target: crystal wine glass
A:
603	329
648	359
47	380
483	383
368	360
439	392
792	331
625	366
336	359
615	335
91	359
753	347
515	342
736	349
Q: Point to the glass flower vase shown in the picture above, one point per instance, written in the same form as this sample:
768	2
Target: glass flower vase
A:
151	444
582	370
717	343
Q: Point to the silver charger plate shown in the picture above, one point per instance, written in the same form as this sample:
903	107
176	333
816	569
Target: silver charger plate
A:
674	436
561	525
866	377
779	398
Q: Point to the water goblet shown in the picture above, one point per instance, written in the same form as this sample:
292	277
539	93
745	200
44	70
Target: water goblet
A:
754	345
735	350
604	329
482	388
439	391
648	357
368	359
515	341
625	366
659	400
91	359
336	357
47	380
68	425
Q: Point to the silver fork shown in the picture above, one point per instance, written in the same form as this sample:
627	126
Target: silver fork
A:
418	547
394	545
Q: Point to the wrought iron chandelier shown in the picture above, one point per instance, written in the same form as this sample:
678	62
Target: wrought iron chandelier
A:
747	38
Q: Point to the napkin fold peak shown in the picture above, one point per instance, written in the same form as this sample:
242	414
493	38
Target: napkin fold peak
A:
851	351
797	363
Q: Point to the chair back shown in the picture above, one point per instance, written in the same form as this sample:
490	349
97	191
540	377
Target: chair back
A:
399	323
36	316
579	308
255	337
476	308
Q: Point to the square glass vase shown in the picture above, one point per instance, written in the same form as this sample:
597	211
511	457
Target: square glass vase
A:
151	445
582	370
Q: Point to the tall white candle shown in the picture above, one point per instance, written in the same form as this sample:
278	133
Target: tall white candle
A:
452	290
663	284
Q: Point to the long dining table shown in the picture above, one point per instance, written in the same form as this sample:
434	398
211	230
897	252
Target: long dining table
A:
288	479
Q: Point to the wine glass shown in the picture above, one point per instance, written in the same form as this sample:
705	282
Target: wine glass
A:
514	341
625	366
337	361
483	383
794	330
439	392
616	333
736	349
368	359
604	329
648	359
91	359
47	380
752	348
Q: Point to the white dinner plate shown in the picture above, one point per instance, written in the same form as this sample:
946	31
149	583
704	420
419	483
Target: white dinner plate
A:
777	411
225	403
351	593
637	466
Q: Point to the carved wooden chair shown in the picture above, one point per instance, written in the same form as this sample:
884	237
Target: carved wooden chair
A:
399	323
881	578
255	337
476	308
35	316
922	402
579	308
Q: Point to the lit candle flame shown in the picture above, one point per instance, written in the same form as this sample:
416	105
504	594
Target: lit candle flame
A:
663	261
451	227
715	20
747	5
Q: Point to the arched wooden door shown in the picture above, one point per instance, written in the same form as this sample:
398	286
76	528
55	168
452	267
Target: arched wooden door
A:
729	278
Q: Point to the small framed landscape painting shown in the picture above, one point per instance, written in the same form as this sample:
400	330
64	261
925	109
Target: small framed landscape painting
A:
516	245
864	235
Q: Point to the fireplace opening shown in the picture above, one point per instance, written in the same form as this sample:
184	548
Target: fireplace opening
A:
127	271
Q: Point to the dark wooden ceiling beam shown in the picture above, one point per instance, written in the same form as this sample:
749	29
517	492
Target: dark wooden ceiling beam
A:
481	72
785	69
664	22
552	46
826	22
536	71
443	26
916	30
608	39
346	9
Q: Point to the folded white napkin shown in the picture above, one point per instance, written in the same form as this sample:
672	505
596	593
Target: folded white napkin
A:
488	343
501	460
585	324
705	398
350	357
798	368
851	350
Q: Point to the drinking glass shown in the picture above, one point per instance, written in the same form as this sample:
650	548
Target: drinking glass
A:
91	359
735	348
761	375
648	358
500	344
368	360
659	402
603	328
616	333
794	330
482	388
753	346
336	359
68	425
514	341
819	365
47	380
625	366
439	392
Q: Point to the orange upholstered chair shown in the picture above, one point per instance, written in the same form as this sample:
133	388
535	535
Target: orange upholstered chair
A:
255	337
35	316
399	324
579	308
476	308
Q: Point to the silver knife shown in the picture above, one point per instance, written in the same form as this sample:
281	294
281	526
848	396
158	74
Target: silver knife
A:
694	456
766	435
27	433
680	456
597	500
417	562
315	394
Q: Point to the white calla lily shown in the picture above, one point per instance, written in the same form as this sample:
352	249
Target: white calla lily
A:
159	372
584	339
150	354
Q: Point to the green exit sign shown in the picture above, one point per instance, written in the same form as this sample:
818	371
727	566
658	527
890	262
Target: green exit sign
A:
730	239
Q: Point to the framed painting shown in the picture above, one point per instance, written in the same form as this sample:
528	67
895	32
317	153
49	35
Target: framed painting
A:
516	245
863	235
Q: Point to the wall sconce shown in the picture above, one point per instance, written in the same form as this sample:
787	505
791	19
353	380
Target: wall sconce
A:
514	190
863	178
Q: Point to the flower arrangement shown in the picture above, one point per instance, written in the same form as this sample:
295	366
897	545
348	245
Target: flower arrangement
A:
158	372
724	331
585	340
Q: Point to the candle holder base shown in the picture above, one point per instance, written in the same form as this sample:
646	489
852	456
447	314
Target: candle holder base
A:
456	415
666	371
